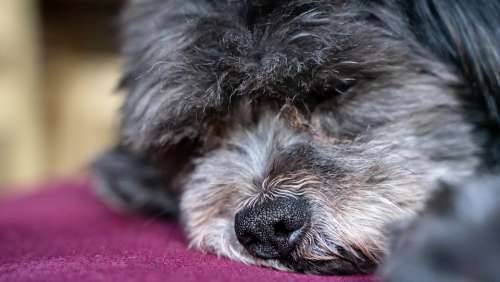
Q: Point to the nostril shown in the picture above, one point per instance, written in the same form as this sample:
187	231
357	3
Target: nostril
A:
281	230
248	239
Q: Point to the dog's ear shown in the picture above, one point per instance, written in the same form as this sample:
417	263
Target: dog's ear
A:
147	182
128	181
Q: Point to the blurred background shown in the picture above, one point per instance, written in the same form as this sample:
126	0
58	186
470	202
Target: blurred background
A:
59	66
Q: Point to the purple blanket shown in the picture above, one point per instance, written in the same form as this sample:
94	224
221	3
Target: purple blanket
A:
65	234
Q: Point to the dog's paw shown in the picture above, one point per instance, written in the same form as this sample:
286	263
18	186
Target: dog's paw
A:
456	239
127	182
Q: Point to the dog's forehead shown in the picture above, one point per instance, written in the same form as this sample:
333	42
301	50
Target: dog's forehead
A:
288	54
189	66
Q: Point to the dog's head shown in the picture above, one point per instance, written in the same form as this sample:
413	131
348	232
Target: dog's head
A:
296	167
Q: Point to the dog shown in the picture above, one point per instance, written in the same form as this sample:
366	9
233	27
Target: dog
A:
302	135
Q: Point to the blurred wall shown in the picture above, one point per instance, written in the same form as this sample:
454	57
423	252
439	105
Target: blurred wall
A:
58	71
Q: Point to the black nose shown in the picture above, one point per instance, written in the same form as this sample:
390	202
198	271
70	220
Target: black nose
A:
274	228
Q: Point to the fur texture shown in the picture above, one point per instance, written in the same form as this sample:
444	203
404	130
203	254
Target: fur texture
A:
360	108
455	239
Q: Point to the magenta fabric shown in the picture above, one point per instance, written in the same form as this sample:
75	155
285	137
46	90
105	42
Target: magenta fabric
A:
64	234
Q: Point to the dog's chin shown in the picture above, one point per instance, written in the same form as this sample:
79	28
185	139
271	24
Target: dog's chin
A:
338	266
329	267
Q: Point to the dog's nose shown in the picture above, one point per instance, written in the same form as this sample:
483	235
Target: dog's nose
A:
274	228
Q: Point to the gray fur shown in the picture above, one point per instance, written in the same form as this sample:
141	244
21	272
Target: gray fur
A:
456	239
336	102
